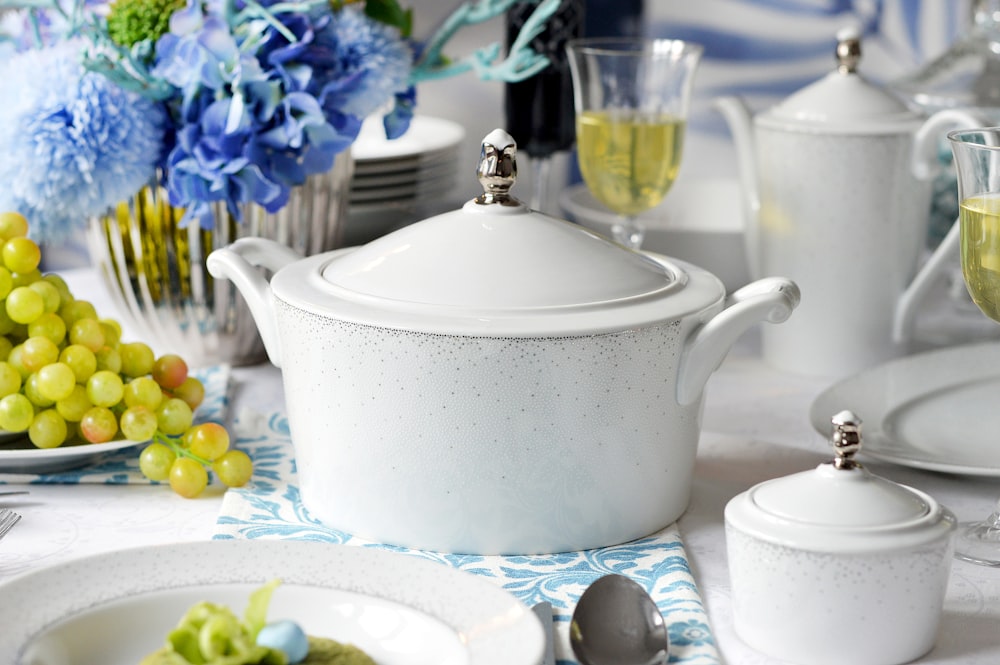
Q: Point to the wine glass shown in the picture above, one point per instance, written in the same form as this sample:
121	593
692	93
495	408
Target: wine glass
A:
977	163
631	97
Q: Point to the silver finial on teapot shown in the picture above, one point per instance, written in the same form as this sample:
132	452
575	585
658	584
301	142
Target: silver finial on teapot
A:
848	50
846	439
497	169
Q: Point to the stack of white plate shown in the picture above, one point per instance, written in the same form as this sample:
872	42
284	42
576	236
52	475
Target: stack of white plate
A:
396	180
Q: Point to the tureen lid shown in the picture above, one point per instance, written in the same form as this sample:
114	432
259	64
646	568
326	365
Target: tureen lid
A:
497	264
843	101
839	506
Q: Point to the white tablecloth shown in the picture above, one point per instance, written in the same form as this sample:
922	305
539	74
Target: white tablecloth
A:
755	427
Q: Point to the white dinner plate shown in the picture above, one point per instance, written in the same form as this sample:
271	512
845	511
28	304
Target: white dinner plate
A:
938	410
19	455
425	136
114	608
389	179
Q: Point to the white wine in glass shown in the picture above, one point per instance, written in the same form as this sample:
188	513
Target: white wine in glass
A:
977	163
631	97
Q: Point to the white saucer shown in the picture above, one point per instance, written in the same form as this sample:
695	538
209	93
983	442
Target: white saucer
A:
936	411
19	455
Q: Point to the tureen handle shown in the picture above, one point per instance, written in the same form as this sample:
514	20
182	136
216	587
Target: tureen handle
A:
770	299
238	263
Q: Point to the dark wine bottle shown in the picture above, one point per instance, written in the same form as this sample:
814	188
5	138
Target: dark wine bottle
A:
539	110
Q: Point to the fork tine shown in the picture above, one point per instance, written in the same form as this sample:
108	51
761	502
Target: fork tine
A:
8	518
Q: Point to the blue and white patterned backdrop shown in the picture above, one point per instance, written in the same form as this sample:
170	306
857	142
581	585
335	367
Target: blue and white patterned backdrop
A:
764	50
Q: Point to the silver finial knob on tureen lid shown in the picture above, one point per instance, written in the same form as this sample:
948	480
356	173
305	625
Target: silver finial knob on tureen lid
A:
848	50
846	439
497	169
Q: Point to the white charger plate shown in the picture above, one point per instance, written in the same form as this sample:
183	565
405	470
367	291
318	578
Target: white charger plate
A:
114	608
425	136
936	410
19	455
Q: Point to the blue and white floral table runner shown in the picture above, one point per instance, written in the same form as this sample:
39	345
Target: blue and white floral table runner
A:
270	508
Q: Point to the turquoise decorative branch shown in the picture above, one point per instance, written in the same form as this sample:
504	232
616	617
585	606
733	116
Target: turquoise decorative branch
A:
522	62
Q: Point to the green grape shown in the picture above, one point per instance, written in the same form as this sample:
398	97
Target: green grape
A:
191	391
48	325
65	296
26	278
13	225
143	391
30	390
137	359
188	477
87	332
170	370
99	424
73	407
16	413
48	429
109	359
37	352
5	344
6	282
15	360
174	416
24	305
105	388
208	440
56	381
7	324
73	310
81	360
112	332
155	461
49	294
21	254
234	468
138	423
10	379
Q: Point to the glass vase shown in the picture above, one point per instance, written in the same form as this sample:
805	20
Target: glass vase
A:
155	269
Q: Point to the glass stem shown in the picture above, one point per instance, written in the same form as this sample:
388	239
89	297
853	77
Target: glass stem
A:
628	231
541	170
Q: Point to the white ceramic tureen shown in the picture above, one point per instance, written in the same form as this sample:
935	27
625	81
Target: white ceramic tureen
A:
494	380
836	565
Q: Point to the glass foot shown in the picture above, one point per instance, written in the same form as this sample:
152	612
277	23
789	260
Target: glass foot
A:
979	542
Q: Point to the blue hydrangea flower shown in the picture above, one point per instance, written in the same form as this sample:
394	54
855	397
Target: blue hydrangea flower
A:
73	142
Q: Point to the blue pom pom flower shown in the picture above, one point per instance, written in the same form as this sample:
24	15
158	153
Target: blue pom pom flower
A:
73	142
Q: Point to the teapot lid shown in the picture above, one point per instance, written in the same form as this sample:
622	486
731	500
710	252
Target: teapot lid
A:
843	101
496	264
839	506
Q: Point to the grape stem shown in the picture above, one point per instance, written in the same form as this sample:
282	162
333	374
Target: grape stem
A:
172	443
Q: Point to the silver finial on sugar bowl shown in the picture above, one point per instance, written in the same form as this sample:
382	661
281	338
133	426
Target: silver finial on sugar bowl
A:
848	50
497	169
846	439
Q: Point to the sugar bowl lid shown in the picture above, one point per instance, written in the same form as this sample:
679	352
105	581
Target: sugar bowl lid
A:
843	101
839	506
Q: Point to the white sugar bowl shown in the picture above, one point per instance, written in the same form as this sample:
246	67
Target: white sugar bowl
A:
837	565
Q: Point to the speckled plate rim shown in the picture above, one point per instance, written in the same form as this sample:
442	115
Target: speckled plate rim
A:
49	460
496	628
876	394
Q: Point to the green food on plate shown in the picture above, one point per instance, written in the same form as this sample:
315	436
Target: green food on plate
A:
210	634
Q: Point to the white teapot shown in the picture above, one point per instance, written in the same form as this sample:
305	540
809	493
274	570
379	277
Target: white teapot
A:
837	186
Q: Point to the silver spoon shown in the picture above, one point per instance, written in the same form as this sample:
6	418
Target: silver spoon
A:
616	623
